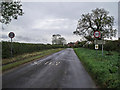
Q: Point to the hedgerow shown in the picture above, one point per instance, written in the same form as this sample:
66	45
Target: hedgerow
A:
21	48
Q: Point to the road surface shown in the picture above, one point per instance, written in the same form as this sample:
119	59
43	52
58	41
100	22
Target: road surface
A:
60	70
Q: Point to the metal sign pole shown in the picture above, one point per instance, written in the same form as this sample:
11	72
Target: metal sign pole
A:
96	52
102	49
102	44
11	35
96	49
96	35
11	47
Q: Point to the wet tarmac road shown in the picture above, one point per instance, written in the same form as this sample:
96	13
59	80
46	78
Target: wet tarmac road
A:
60	70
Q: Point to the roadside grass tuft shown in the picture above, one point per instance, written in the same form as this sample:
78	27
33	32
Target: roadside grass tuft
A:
104	70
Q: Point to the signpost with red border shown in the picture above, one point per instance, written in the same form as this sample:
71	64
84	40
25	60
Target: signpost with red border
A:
11	35
97	34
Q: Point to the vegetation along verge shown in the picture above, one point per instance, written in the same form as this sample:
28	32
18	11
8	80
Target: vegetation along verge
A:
22	48
21	59
103	69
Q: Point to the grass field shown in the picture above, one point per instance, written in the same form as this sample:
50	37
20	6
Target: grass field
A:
21	59
104	70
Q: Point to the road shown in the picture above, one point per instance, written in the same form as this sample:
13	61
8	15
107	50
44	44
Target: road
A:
60	70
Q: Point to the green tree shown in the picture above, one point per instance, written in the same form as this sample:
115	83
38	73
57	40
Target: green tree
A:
10	10
97	20
57	39
62	40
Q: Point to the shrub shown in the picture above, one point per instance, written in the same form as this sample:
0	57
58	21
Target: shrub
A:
21	48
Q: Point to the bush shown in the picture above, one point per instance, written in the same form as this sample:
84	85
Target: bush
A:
21	48
108	46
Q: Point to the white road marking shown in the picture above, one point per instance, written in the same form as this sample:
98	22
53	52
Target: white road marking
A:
34	63
50	63
57	63
46	63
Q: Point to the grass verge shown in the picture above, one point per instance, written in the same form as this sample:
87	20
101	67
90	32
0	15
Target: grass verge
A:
104	70
21	59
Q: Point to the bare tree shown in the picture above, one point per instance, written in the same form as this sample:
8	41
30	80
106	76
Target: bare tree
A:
97	20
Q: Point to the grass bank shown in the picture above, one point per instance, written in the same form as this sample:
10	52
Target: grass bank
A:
104	70
21	59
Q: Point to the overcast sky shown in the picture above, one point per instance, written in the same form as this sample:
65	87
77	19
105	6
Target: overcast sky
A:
43	19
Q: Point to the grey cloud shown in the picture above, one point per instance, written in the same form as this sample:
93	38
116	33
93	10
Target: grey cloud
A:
24	38
119	19
40	11
4	37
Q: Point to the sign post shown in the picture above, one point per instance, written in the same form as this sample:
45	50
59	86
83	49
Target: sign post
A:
96	46
11	35
97	34
102	49
99	42
102	42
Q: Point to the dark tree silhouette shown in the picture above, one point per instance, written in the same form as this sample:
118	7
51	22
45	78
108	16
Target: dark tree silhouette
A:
97	20
10	10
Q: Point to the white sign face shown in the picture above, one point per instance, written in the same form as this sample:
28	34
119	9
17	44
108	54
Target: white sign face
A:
99	42
11	35
96	46
96	34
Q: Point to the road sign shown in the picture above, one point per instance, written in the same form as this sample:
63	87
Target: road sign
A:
11	35
96	46
99	42
96	34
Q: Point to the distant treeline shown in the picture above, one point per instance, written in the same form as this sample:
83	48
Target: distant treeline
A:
108	46
21	48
